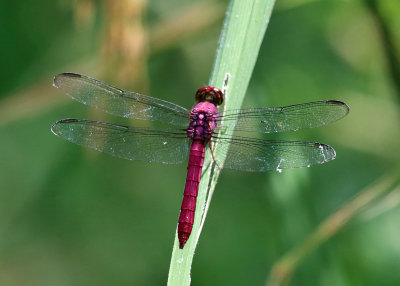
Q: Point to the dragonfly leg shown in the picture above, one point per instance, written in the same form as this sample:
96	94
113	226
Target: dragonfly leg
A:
212	155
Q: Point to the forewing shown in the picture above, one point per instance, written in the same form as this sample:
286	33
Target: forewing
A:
255	155
287	118
142	144
119	102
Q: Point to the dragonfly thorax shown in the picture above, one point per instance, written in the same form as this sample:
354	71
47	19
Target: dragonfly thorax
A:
202	122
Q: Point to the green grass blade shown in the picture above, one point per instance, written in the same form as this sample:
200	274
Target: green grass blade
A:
240	41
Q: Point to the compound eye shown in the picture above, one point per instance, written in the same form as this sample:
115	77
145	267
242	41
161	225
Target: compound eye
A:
210	94
218	96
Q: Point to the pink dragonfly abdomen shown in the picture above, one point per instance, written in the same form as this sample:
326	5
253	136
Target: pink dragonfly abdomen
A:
203	119
186	217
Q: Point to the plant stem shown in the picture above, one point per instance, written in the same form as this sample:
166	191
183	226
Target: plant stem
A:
388	43
283	269
239	44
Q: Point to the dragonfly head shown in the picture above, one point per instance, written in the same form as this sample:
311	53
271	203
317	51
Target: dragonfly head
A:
210	94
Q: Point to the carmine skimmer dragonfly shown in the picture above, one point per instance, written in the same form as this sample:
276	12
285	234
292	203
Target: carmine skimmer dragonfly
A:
191	131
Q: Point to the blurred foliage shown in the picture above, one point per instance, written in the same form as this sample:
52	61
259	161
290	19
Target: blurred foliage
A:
70	216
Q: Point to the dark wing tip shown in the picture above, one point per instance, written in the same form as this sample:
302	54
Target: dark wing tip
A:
68	120
333	101
64	74
71	74
320	145
328	149
338	102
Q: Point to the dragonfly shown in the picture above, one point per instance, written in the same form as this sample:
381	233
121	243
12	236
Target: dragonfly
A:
187	133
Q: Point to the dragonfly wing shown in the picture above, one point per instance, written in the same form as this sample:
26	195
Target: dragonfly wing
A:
144	144
255	155
287	118
119	102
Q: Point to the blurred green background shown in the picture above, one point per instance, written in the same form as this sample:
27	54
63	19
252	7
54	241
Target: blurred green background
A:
71	216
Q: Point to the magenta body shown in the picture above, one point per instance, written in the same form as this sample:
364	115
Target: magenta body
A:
202	123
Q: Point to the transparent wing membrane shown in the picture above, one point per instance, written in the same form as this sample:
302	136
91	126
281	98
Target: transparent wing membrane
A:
118	102
142	144
255	155
287	118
